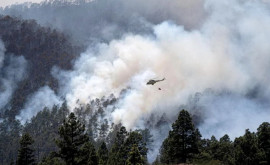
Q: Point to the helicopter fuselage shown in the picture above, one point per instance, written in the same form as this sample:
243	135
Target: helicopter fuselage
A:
152	82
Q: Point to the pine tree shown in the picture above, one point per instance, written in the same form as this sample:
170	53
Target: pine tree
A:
147	137
62	112
26	154
246	149
264	140
134	156
118	153
113	155
165	152
103	154
51	159
182	142
88	155
225	150
121	136
135	138
213	147
72	137
207	151
103	129
10	134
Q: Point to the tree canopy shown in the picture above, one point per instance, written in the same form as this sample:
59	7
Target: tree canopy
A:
26	153
72	138
182	142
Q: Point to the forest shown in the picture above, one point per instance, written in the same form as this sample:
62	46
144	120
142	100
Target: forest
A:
42	48
55	136
74	82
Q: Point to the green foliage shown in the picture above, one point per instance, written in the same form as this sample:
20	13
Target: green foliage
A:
118	153
113	156
52	160
225	152
208	162
26	154
135	138
87	155
221	151
263	133
183	141
103	130
246	149
43	48
123	144
44	129
111	137
72	137
10	131
134	156
125	147
103	154
165	151
146	137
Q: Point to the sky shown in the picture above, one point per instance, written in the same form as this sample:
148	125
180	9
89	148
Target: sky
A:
4	3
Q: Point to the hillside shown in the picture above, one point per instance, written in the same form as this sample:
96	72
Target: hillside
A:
113	82
43	48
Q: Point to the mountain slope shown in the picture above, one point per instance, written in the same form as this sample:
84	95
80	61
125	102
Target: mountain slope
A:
43	48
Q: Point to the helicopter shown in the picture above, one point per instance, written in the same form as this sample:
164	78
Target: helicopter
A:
152	82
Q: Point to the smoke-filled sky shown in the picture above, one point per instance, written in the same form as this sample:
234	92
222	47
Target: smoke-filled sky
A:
4	3
228	52
197	45
10	74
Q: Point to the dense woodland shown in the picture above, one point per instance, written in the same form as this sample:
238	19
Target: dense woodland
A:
43	48
55	136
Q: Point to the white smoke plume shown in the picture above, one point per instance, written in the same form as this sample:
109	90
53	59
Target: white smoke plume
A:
229	52
2	53
231	114
12	71
44	97
224	46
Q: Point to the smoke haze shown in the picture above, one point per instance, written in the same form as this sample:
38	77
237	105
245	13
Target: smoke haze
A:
44	97
103	20
196	45
12	71
228	53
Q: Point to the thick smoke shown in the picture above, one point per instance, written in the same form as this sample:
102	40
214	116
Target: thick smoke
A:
231	113
2	53
12	71
105	20
44	97
224	47
228	53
